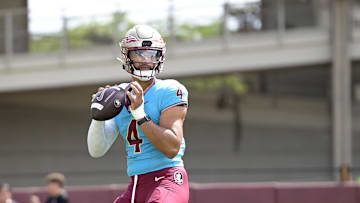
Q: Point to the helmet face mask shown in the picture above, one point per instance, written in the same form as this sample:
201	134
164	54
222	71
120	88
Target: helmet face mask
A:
140	58
142	52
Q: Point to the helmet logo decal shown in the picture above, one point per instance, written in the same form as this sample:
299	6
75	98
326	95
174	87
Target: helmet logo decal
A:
160	40
130	39
146	43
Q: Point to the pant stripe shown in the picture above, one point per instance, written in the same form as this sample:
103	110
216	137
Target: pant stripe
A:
134	189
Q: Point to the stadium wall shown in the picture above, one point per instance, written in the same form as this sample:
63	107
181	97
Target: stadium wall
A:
285	135
224	192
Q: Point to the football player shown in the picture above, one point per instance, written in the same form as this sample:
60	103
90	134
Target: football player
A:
152	126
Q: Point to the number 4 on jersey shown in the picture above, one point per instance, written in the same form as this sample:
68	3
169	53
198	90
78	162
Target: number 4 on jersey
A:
133	137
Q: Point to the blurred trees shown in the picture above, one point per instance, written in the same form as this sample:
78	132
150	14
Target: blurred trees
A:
190	32
231	82
228	90
98	33
84	34
95	33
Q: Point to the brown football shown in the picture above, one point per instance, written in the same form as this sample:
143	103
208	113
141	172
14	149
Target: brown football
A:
108	103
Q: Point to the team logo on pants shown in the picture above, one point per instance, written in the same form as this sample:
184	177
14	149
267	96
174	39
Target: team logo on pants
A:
178	177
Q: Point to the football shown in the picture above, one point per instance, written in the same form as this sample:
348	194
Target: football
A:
108	103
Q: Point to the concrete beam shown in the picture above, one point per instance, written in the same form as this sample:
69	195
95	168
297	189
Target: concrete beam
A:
341	88
245	53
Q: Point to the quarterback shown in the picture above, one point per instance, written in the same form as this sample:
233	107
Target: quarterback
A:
152	126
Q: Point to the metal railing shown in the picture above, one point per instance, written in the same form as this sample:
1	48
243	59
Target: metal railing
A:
82	33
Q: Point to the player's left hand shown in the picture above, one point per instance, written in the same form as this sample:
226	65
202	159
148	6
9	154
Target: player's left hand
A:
99	90
137	98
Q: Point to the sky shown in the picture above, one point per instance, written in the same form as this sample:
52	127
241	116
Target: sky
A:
45	15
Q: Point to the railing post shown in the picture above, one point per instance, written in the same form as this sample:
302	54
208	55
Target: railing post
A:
116	34
280	21
171	27
64	42
9	42
225	30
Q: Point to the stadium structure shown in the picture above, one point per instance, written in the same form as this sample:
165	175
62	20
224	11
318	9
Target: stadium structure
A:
297	121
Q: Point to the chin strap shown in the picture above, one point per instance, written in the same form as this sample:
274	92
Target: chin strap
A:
132	70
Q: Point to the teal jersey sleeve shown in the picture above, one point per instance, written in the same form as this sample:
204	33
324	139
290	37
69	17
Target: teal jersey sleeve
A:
173	94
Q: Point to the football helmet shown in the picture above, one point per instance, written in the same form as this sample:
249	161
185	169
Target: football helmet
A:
142	52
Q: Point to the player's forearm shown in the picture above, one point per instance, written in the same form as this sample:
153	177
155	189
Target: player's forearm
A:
165	140
95	139
101	136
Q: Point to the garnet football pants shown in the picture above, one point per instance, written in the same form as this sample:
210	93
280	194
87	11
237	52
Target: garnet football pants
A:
169	185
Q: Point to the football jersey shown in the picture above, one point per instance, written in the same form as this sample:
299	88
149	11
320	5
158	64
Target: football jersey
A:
142	156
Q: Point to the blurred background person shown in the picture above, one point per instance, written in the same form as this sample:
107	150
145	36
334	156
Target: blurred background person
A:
55	187
34	199
5	194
